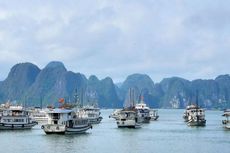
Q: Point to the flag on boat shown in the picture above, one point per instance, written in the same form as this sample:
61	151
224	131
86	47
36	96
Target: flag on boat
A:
61	100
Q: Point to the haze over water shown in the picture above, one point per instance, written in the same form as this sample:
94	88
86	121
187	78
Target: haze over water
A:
168	134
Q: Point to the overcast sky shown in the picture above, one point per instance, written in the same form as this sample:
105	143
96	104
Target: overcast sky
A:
161	38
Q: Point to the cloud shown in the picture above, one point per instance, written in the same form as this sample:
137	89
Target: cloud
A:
164	38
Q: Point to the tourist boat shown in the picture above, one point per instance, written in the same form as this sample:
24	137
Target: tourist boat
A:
153	113
143	112
15	118
196	117
128	118
188	110
39	115
65	121
90	113
226	122
115	114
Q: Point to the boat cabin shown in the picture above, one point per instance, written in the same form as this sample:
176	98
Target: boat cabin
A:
59	116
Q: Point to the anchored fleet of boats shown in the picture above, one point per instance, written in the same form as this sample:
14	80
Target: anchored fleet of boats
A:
134	115
78	120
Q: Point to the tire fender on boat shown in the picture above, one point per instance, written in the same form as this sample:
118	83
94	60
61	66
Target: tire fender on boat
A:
42	127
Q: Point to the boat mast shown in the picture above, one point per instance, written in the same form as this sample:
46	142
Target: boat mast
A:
76	98
41	102
134	97
197	105
130	97
82	97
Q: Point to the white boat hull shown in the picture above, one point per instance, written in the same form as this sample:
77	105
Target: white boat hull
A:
62	129
197	123
154	118
128	124
95	120
144	119
226	124
8	126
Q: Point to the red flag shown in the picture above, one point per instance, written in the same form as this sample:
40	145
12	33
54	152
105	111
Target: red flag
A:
61	100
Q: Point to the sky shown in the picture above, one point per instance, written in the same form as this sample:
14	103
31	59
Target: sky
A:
116	38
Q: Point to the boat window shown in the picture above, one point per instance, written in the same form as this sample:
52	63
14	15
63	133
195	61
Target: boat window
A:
55	116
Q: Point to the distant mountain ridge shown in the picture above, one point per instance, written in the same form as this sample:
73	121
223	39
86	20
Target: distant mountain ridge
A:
32	86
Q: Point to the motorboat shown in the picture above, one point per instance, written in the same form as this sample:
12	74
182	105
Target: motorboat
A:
226	122
39	115
115	114
128	118
153	113
143	112
90	113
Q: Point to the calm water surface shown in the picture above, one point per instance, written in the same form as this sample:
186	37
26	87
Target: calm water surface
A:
168	134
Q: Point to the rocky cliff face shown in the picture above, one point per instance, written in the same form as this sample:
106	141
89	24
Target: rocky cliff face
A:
26	83
29	85
18	82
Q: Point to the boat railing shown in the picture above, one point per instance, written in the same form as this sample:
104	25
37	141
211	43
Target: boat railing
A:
56	127
21	115
55	117
225	121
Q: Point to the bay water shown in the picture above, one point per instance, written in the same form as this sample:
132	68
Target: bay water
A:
167	135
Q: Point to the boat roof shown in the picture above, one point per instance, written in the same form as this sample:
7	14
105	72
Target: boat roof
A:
14	108
141	105
198	109
192	106
127	111
91	108
59	111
